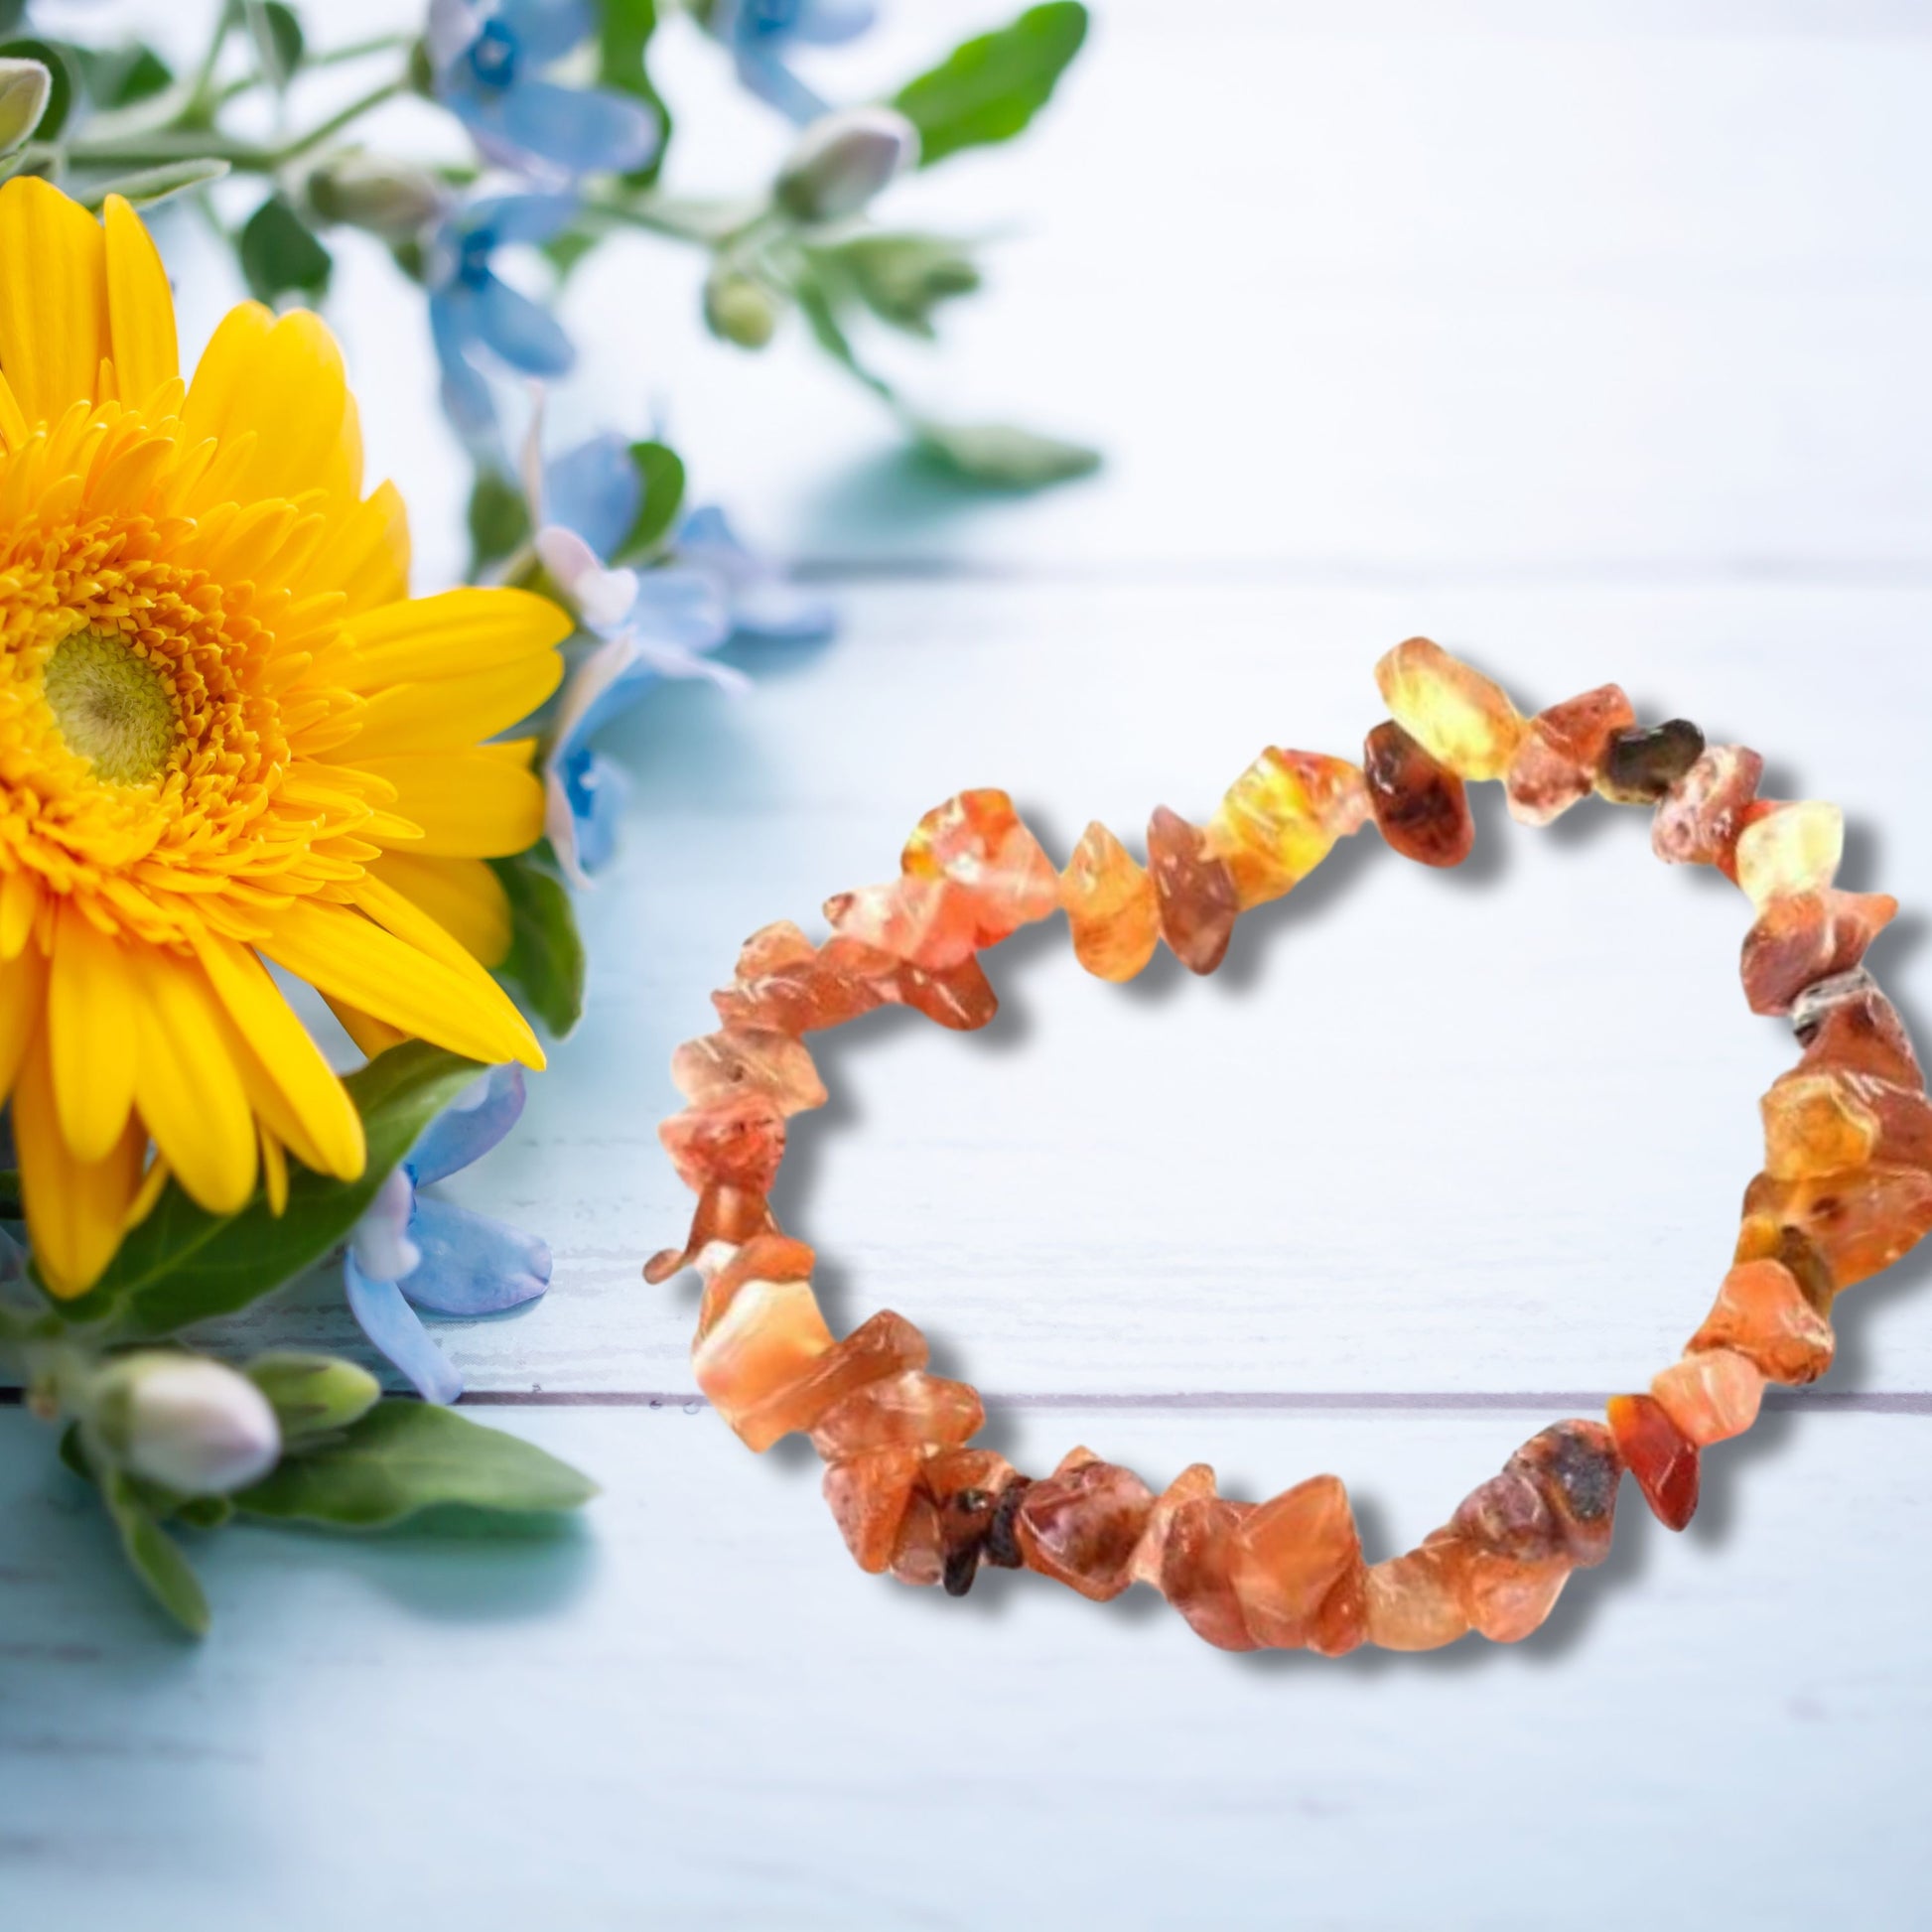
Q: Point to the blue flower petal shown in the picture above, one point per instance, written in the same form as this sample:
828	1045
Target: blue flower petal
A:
462	1134
466	396
470	1264
523	332
510	218
682	607
392	1325
597	790
546	29
595	490
828	23
767	77
582	130
613	701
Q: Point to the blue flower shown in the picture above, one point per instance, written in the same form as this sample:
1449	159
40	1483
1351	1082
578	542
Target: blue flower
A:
471	306
488	56
758	32
411	1251
663	621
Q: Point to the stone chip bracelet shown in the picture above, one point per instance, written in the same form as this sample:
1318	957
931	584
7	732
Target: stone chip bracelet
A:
1846	1186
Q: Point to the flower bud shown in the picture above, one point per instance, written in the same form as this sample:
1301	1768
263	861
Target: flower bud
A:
843	160
313	1395
388	197
189	1424
24	88
738	307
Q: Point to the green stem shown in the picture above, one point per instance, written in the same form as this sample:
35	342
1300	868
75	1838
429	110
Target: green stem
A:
316	136
333	57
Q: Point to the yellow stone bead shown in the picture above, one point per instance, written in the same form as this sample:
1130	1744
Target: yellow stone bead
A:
1791	849
1111	906
1458	716
1282	817
1816	1124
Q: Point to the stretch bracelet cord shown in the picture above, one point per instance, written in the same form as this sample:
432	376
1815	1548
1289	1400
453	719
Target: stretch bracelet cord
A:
1846	1186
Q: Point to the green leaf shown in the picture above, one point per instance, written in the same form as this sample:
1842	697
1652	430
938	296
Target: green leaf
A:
312	1395
277	34
622	44
989	88
59	61
546	956
901	278
660	470
148	187
152	1552
500	518
565	250
404	1456
182	1263
1001	456
118	77
280	256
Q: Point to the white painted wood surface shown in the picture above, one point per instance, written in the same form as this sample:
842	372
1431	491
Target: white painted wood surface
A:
1598	353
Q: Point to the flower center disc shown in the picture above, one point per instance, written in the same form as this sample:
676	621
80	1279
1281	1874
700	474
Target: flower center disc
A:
111	706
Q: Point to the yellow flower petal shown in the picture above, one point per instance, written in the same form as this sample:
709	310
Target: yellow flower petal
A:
22	1007
20	906
323	1126
372	1036
368	556
186	1088
275	1173
350	957
90	1035
140	306
476	804
459	630
76	1209
463	896
446	712
53	320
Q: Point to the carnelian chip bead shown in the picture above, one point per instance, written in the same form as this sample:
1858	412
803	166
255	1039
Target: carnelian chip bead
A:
1195	890
1807	938
735	1143
1415	1601
868	1495
1664	1460
1083	1526
1111	906
965	1486
929	922
1577	1468
1197	1559
748	1059
1641	766
1846	1022
1196	1481
1699	818
1291	1556
1282	817
1763	1314
884	1344
979	842
1860	1222
1508	1515
1509	1597
783	982
1712	1395
1562	753
910	1409
1420	806
920	1549
1789	849
1463	720
1817	1124
726	1217
760	1331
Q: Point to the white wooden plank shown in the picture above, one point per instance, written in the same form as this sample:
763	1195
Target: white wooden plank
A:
1464	1132
697	1709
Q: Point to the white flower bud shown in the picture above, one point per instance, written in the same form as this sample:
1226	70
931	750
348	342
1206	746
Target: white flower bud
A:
388	197
843	160
24	88
185	1421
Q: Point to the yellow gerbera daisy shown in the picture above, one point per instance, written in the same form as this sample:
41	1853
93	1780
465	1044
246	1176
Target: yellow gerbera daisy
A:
227	734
